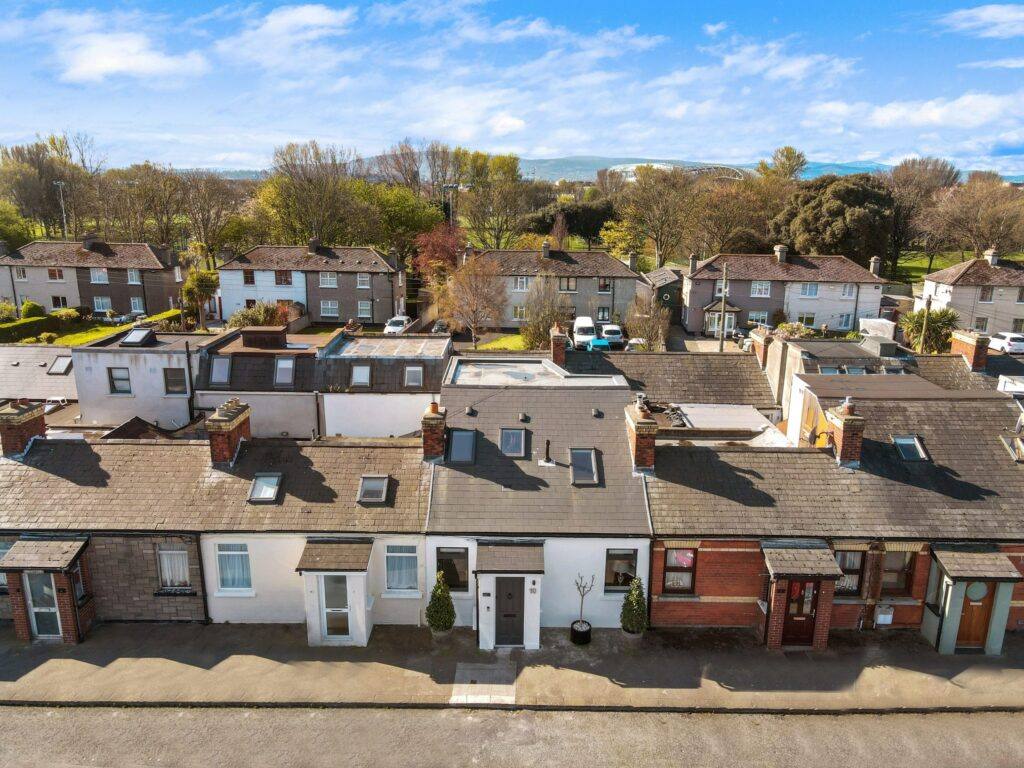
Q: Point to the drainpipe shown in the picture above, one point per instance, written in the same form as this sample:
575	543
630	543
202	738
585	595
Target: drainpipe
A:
856	306
316	408
202	579
14	290
650	580
188	383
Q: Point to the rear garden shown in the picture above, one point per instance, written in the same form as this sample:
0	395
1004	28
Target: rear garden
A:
66	327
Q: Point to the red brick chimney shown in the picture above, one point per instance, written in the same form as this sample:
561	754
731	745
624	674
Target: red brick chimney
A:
973	346
227	427
432	428
20	421
846	433
558	342
760	339
642	429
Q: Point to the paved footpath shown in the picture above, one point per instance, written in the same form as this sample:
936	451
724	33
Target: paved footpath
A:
702	671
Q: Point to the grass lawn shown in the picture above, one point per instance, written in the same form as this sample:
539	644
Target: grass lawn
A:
90	331
512	342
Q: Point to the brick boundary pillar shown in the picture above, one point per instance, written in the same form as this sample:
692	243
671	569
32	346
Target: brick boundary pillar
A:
776	612
558	342
761	339
67	608
19	610
823	614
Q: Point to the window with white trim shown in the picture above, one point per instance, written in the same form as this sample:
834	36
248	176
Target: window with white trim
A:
809	290
220	370
328	307
328	279
174	381
98	275
55	275
806	318
134	276
519	312
137	305
604	285
365	310
402	566
513	442
101	303
120	381
265	487
520	284
20	274
362	280
59	302
909	447
720	286
604	314
619	569
760	289
284	371
360	376
758	317
173	567
845	321
987	294
849	289
373	488
234	570
582	466
981	324
414	375
567	285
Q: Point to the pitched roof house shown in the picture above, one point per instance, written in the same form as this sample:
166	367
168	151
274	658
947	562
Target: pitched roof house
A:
987	294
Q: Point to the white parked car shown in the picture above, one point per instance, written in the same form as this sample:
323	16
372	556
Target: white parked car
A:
1007	342
613	335
583	331
397	324
636	345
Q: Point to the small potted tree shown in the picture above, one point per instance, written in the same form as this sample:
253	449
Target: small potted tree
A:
634	610
440	609
579	630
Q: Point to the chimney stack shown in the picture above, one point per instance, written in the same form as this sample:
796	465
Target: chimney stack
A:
227	428
432	428
760	338
642	429
545	249
393	257
558	341
468	254
991	257
693	263
314	246
876	266
973	346
90	240
846	432
633	261
20	421
781	253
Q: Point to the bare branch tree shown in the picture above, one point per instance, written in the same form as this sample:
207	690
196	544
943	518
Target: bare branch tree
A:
402	164
474	297
209	200
648	320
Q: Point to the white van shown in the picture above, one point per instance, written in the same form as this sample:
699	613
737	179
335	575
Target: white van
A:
583	330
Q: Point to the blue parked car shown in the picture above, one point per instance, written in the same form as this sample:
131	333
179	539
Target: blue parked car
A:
598	345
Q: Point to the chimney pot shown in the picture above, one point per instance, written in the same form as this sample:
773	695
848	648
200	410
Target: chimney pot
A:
876	266
781	253
20	421
227	428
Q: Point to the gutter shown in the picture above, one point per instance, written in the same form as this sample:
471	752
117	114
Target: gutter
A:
14	290
191	388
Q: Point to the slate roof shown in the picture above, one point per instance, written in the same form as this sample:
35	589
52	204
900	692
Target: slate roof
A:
980	272
963	563
44	555
682	377
971	488
952	371
800	561
510	558
70	253
327	555
559	263
663	276
298	257
131	485
23	372
255	373
804	269
498	494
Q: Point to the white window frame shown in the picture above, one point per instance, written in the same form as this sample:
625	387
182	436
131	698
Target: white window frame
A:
357	381
912	439
418	371
137	304
981	324
589	480
168	554
519	312
719	285
98	303
758	317
375	491
809	290
214	360
571	285
604	314
805	315
328	280
49	274
415	555
521	284
62	304
111	379
991	294
522	442
326	310
134	276
845	321
714	318
368	313
608	283
223	591
324	610
284	365
20	274
760	289
184	380
263	479
849	290
363	281
98	272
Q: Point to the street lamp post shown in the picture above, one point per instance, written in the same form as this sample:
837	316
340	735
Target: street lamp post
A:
63	214
450	189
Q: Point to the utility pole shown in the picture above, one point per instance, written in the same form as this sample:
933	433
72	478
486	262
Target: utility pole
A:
924	324
721	313
63	214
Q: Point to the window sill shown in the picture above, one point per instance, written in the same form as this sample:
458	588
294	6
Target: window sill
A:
848	600
180	396
121	394
235	593
175	592
616	596
898	600
674	598
401	594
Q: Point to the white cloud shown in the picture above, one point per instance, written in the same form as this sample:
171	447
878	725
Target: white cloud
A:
713	29
504	124
291	38
1008	63
969	111
994	20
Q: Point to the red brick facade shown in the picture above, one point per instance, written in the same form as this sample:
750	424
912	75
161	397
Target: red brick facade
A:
642	430
76	618
846	432
228	426
973	347
432	428
558	342
760	340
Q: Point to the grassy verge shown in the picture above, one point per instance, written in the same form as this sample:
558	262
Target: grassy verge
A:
513	342
92	330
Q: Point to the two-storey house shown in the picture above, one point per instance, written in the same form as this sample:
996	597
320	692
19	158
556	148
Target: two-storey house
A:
128	278
987	293
817	291
334	283
594	283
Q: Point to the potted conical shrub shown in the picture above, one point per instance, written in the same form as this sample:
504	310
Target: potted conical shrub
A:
634	610
440	609
579	630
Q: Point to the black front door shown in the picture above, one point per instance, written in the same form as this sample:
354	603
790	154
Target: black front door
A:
508	625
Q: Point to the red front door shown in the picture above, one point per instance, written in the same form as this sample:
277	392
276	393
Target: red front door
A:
801	605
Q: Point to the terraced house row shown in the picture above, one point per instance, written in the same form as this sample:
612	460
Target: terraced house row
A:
886	499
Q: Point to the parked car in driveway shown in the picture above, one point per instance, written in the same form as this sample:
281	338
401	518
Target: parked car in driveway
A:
614	336
441	326
1006	341
636	344
583	330
598	345
397	324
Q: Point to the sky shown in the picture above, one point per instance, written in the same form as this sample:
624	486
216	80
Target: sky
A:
209	84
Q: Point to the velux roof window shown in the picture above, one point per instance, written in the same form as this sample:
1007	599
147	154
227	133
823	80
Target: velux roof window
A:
373	488
910	447
220	370
583	466
265	487
61	366
513	442
284	371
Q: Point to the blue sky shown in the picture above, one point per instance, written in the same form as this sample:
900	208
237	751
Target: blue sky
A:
196	83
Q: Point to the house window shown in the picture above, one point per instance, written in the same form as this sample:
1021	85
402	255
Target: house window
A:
760	317
453	562
414	375
137	304
513	442
328	307
986	294
619	569
250	303
582	466
4	546
362	280
174	381
896	570
604	314
909	447
1018	325
177	275
173	565
848	290
520	284
365	310
721	286
134	277
248	277
806	318
282	277
233	569
54	274
373	488
828	370
120	381
604	285
1020	295
265	487
518	311
981	324
284	371
760	289
852	566
328	279
680	565
567	285
462	448
360	376
401	565
845	321
59	302
809	290
77	583
220	370
101	303
856	370
20	273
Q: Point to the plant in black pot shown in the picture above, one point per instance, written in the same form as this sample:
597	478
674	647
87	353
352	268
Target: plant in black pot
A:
579	630
634	609
440	609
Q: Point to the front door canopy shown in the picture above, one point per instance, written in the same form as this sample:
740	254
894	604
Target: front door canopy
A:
42	554
978	562
507	557
800	559
335	555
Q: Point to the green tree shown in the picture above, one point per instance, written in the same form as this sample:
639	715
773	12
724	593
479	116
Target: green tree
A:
474	297
941	324
847	215
199	287
30	309
914	185
786	163
399	213
663	206
260	313
622	238
8	312
634	608
496	204
440	609
15	230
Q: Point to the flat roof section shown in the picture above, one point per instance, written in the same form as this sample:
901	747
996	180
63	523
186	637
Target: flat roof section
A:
873	386
478	372
425	347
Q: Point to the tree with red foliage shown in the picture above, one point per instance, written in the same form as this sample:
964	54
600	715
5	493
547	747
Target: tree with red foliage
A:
438	251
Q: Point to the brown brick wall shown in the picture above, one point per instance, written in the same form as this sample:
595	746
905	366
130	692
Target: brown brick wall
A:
22	628
776	612
15	437
823	614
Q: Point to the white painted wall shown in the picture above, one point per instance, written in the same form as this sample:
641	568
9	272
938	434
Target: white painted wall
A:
532	599
1000	313
371	415
38	287
273	413
234	292
278	591
360	623
396	607
464	602
830	304
148	399
796	410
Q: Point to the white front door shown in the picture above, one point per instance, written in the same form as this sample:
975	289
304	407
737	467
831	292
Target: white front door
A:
41	602
334	604
730	322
